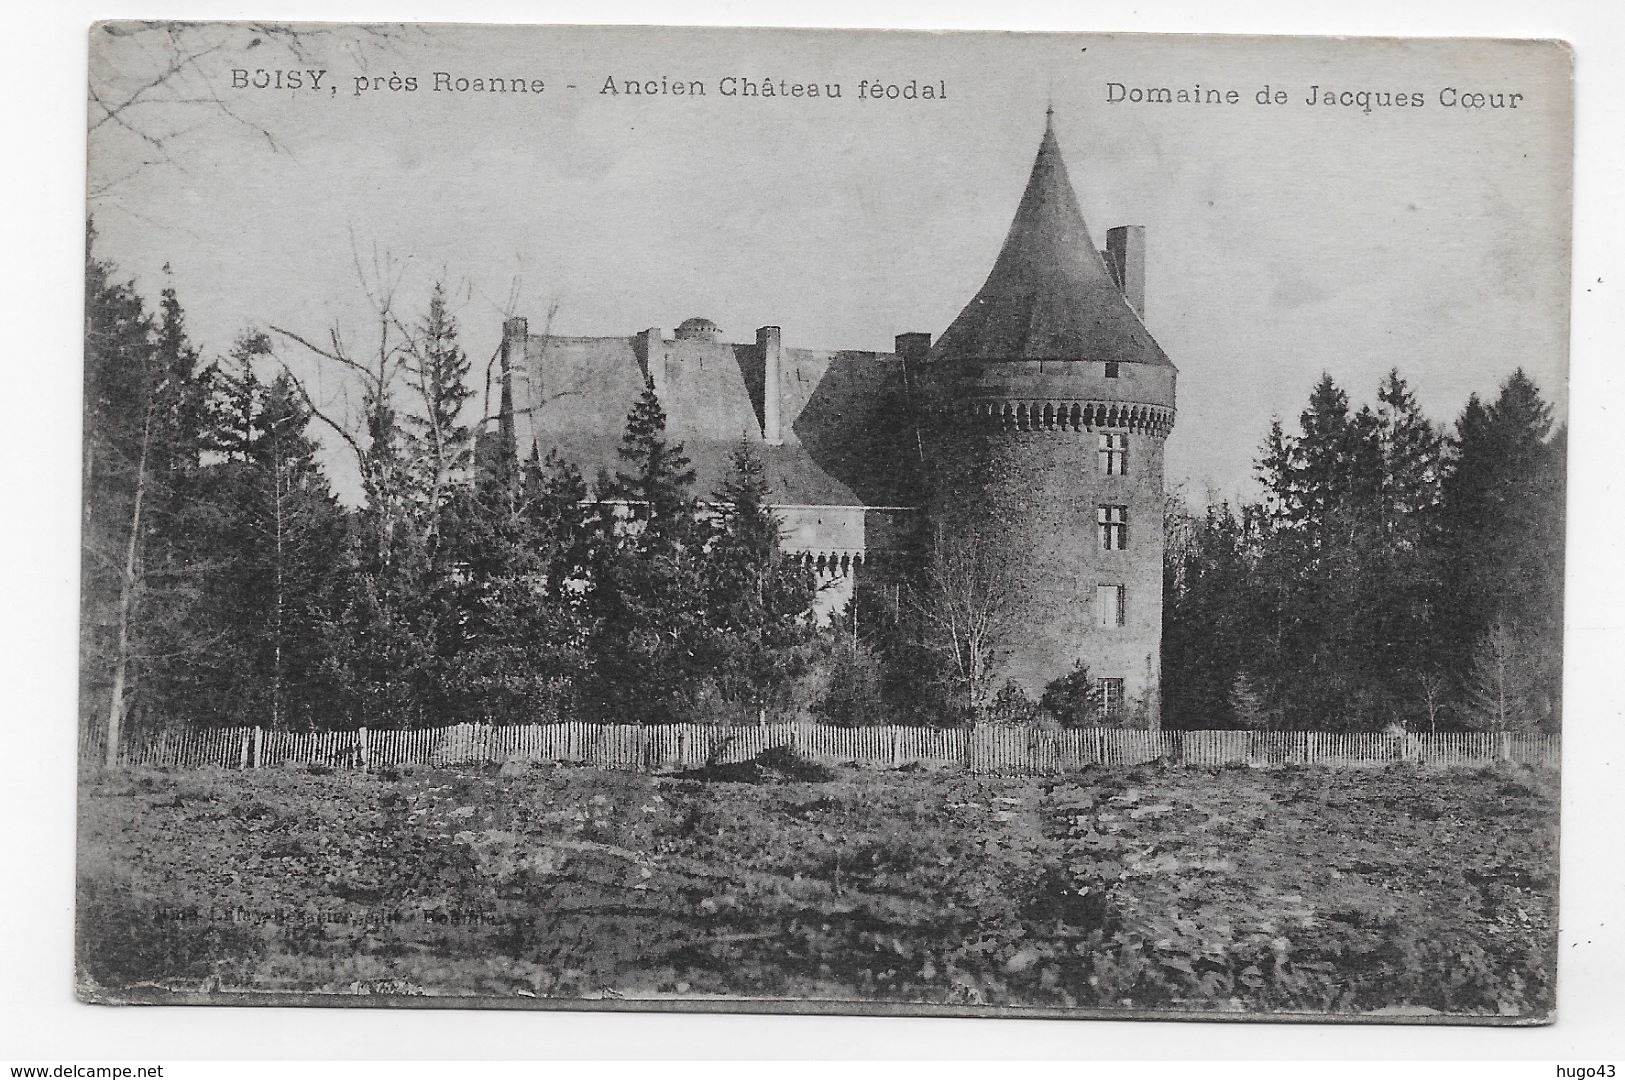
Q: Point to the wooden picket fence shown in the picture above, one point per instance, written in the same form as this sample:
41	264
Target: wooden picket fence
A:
984	749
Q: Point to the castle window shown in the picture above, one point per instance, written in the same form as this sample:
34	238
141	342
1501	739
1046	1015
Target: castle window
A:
1109	695
1114	454
1112	522
1112	369
1110	609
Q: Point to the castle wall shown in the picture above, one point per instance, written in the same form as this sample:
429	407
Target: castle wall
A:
843	542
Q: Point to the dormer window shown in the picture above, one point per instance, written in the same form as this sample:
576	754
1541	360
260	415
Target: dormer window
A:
1112	371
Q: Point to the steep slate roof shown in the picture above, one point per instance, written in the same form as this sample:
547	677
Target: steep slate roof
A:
845	441
1050	296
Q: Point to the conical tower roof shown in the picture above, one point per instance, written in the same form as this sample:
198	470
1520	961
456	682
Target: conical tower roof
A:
1050	296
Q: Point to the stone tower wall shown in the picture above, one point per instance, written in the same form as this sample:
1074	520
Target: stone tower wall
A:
1021	481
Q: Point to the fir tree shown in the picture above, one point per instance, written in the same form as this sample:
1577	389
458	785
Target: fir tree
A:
1413	463
758	599
1215	619
647	596
656	477
141	447
265	539
438	444
509	616
1321	465
1335	592
1274	470
1502	539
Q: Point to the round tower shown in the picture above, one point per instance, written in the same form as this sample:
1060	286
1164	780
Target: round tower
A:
1049	407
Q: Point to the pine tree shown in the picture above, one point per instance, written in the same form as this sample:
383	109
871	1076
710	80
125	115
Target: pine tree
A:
1274	470
1321	464
656	477
141	447
1502	542
1413	450
758	599
437	443
556	497
1215	617
507	607
1342	588
647	597
883	666
266	539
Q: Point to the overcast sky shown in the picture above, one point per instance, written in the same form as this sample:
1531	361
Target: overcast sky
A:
1283	240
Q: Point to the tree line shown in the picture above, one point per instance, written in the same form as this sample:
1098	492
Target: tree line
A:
225	583
1393	572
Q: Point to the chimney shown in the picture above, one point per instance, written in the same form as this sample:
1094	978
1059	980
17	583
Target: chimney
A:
913	348
515	337
650	347
1125	257
769	342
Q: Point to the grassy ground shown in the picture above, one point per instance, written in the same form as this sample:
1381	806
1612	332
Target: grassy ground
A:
1212	889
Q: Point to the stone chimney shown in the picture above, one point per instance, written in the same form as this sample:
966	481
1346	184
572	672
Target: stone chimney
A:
1125	257
770	344
650	347
913	347
515	338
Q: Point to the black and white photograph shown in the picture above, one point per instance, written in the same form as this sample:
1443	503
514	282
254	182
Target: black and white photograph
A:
842	521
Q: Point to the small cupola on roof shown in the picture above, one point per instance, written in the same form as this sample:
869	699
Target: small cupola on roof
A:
698	329
1050	295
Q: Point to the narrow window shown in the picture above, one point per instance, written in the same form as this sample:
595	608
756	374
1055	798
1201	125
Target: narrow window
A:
1111	369
1109	606
1114	454
1109	695
1112	521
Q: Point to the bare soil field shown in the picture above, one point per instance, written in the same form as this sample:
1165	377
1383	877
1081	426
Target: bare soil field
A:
1293	890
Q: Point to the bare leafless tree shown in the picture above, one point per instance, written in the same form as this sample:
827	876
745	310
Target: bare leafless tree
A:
968	610
1431	687
153	87
129	583
375	372
1500	685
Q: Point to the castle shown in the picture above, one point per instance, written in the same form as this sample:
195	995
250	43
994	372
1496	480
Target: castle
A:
1030	434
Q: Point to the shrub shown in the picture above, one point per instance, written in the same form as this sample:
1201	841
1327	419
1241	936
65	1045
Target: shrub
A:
854	694
1011	705
1072	699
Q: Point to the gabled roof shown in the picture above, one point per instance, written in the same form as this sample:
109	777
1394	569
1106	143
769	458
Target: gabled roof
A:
1050	296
